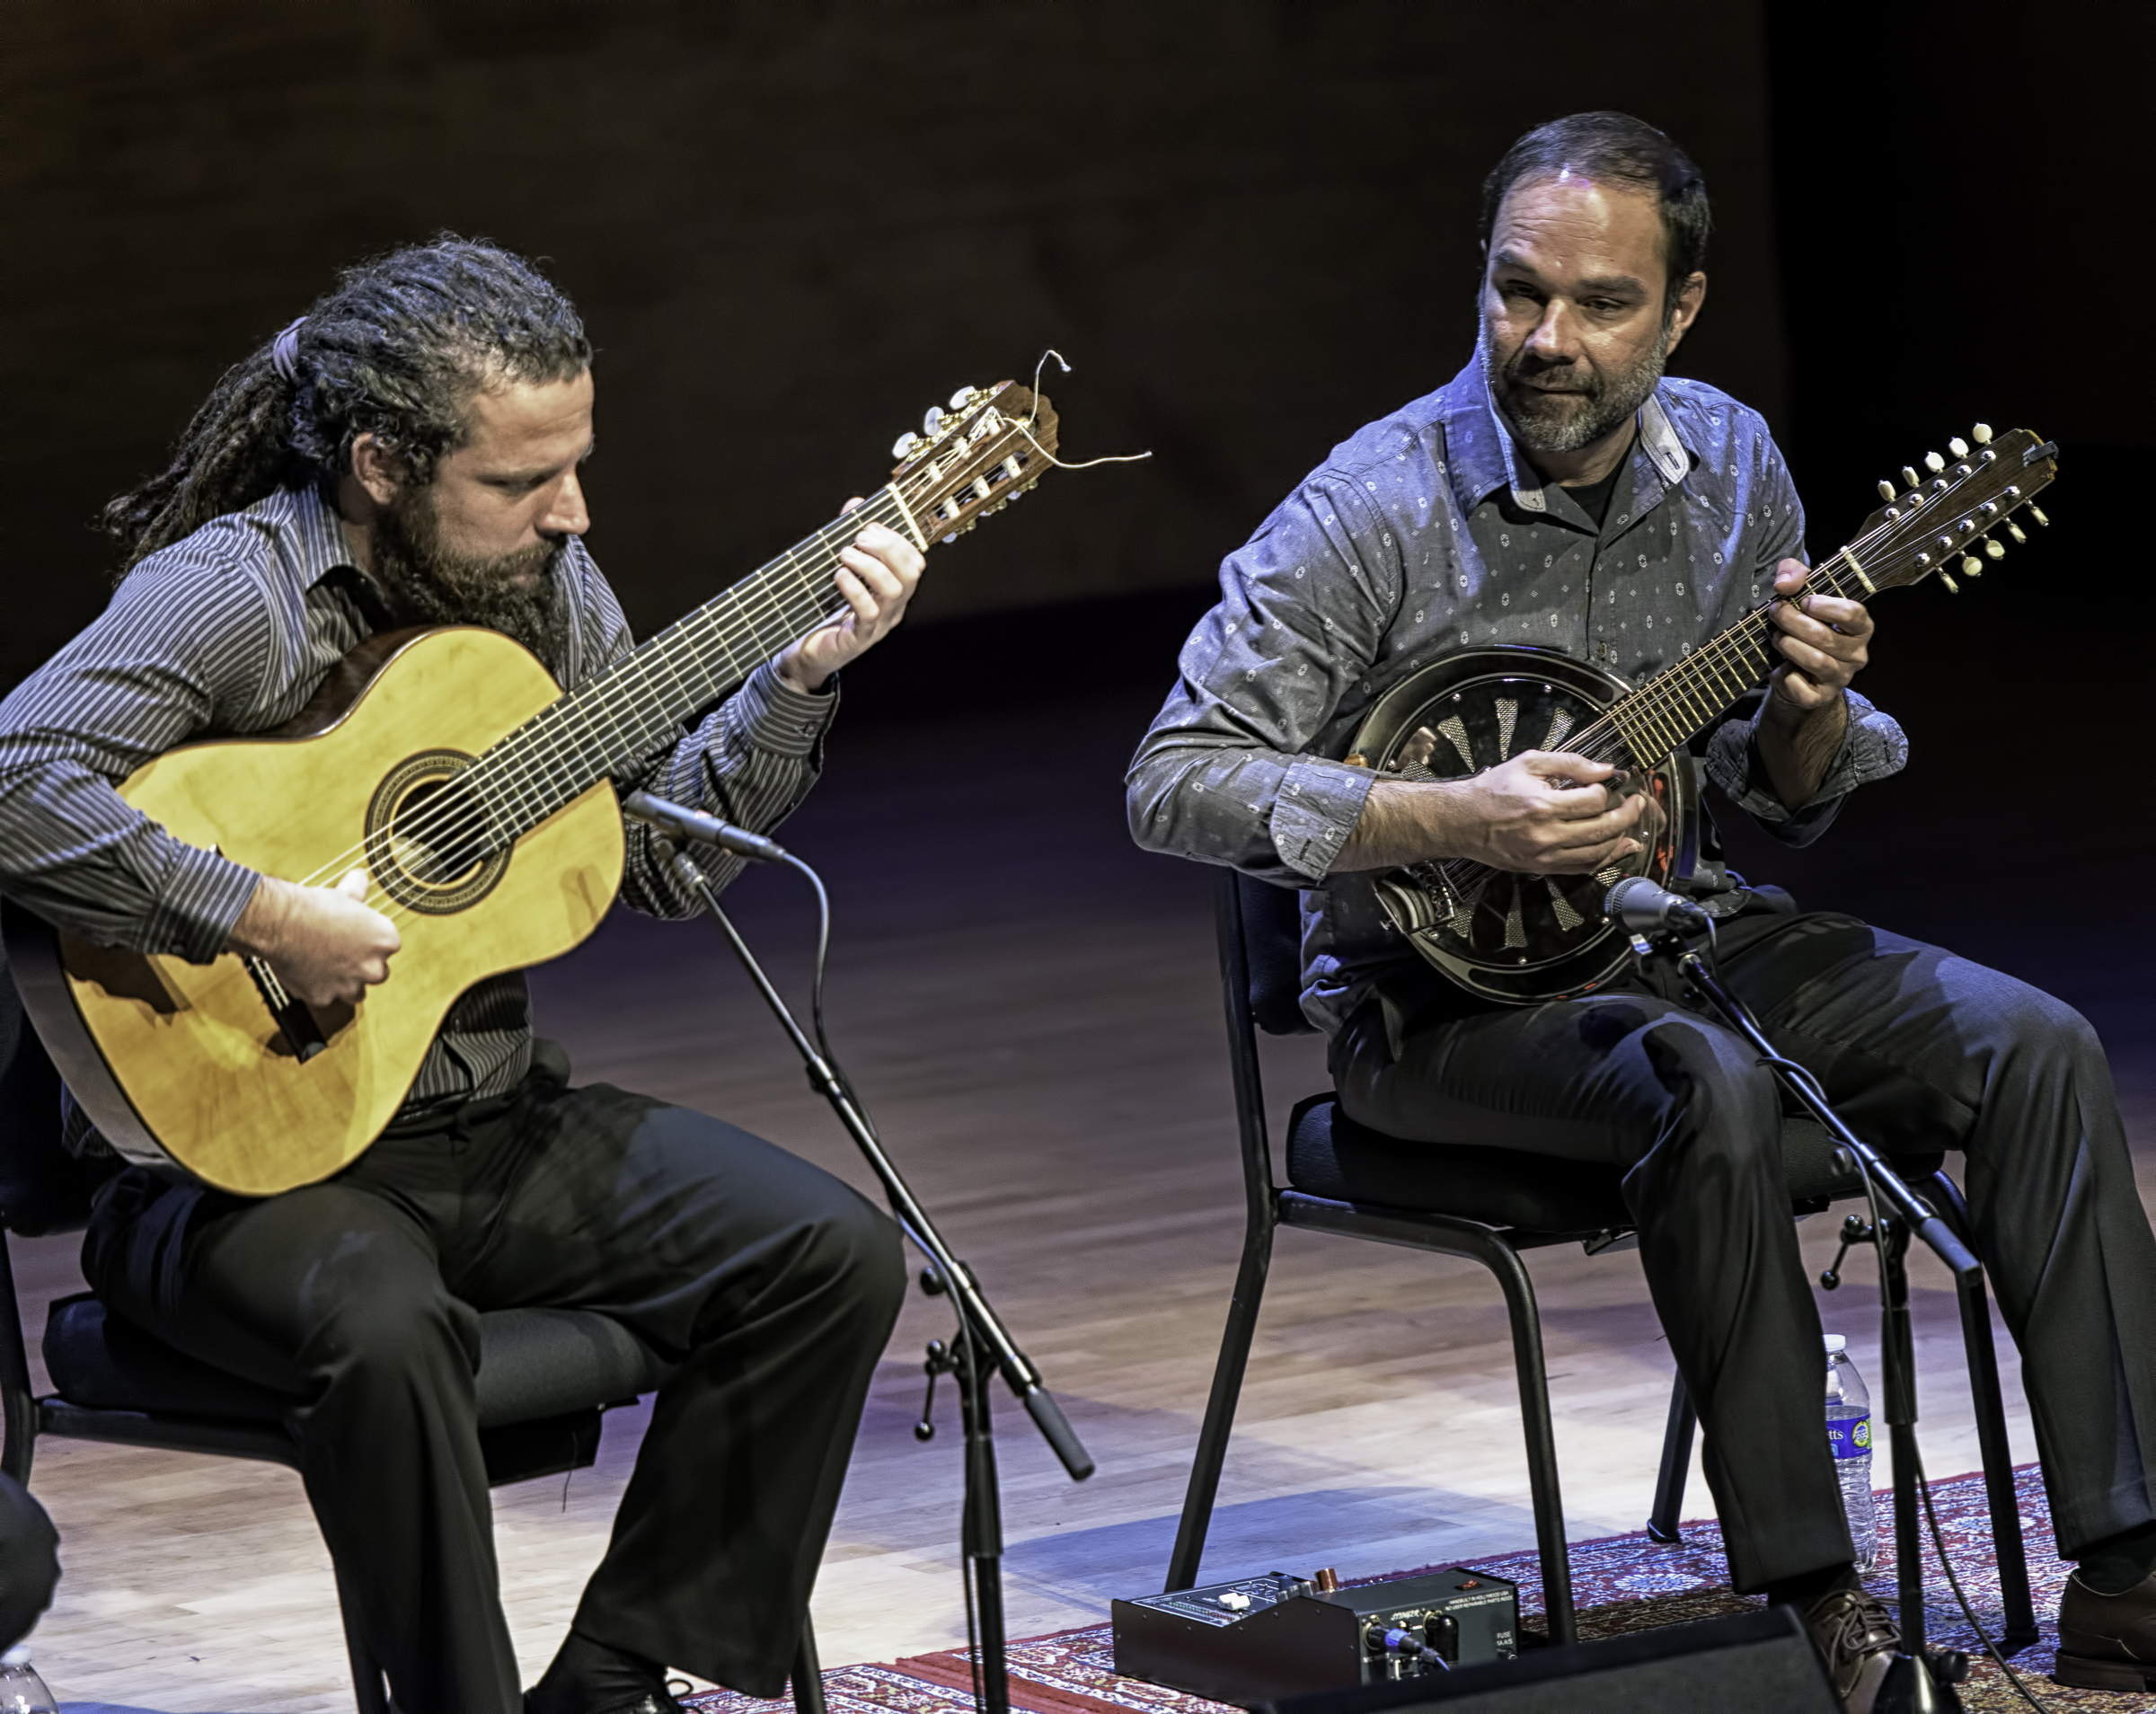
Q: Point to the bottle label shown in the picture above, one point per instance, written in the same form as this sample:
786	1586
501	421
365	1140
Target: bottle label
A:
1849	1436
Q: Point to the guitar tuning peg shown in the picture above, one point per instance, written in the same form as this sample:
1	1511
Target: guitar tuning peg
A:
1910	478
2015	530
1981	434
1971	566
1952	587
904	443
1959	446
2036	512
932	421
1994	551
1934	463
1886	491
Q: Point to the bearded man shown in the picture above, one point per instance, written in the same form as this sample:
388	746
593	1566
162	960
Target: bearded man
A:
407	454
1561	490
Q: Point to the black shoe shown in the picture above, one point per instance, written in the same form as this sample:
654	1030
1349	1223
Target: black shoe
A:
2107	1642
1858	1638
588	1677
649	1702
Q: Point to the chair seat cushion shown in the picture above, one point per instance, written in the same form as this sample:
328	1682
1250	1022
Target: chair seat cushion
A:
1330	1155
534	1363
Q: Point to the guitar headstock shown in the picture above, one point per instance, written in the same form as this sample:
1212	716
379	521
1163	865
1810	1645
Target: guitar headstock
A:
1940	520
976	456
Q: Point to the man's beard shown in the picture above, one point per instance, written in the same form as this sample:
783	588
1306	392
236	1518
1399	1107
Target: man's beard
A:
433	584
1564	422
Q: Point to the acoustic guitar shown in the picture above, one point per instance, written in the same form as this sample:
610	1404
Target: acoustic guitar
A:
1524	939
479	798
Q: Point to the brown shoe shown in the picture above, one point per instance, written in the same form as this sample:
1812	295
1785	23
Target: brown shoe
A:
2107	1642
1858	1638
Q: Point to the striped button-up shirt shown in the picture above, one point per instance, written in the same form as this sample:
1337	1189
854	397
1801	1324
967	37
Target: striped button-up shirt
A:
230	633
1426	533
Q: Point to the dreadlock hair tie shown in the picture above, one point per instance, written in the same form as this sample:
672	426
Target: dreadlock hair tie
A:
284	350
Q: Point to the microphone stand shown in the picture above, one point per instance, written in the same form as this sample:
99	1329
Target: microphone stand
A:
982	1348
1906	1216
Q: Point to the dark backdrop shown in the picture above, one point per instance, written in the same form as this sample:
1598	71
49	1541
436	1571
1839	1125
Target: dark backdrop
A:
1250	224
791	226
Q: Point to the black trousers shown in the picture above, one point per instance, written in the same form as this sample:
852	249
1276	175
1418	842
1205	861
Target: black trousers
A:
1918	1051
774	1284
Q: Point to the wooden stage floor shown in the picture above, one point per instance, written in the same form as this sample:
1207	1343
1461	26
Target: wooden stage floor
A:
1030	1007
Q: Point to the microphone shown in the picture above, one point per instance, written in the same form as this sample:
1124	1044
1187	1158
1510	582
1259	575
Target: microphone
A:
709	830
1639	904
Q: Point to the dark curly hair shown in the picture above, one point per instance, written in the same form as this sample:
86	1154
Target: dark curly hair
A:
396	350
1615	148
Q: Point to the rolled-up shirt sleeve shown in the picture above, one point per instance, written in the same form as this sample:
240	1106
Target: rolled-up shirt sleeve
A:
177	654
1873	746
1225	774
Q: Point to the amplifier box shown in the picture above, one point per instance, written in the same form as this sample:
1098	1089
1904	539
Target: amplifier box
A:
1273	1636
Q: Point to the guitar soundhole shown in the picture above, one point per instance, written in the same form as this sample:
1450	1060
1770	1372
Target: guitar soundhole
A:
428	842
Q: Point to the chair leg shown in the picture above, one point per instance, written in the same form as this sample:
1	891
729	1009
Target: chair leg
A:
1676	1466
1220	1408
808	1672
2004	1504
1505	1262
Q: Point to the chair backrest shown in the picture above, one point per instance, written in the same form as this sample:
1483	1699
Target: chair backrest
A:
1271	920
43	1188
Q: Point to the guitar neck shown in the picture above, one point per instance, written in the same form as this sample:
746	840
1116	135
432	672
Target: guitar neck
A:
1651	723
636	706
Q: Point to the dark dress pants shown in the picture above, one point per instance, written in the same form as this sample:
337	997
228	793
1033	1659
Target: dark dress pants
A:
1918	1051
771	1283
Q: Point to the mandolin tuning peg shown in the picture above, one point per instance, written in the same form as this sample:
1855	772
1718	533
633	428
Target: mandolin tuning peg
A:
1934	463
1910	478
1981	434
1971	566
2036	512
1886	491
904	443
2015	531
962	398
1959	446
1993	551
932	421
1952	587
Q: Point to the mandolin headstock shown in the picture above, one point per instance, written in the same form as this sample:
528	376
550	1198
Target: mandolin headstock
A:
975	456
1941	520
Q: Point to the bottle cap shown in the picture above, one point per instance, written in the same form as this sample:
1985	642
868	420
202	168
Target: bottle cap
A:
19	1655
1836	1343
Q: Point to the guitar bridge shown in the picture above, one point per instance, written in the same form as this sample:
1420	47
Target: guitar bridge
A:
303	1033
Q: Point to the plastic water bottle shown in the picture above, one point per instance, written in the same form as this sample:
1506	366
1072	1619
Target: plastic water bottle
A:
1849	1436
22	1691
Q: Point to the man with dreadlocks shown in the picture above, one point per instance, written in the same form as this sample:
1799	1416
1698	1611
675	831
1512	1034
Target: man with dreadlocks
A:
407	453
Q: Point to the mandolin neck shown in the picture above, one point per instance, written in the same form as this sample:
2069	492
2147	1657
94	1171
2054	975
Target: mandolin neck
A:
1651	723
640	703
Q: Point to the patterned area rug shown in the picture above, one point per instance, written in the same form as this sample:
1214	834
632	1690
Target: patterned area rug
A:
1625	1583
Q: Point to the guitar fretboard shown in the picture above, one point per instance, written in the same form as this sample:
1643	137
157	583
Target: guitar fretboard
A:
1659	719
630	710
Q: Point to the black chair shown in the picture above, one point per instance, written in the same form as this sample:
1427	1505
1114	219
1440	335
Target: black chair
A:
546	1377
1491	1206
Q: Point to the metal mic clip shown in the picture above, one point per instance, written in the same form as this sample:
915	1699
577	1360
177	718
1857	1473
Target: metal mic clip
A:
709	830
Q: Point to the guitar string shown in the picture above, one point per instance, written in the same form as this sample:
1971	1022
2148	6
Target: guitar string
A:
698	636
690	643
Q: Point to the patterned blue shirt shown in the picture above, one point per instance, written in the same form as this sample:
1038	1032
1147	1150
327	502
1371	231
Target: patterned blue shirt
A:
1425	534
